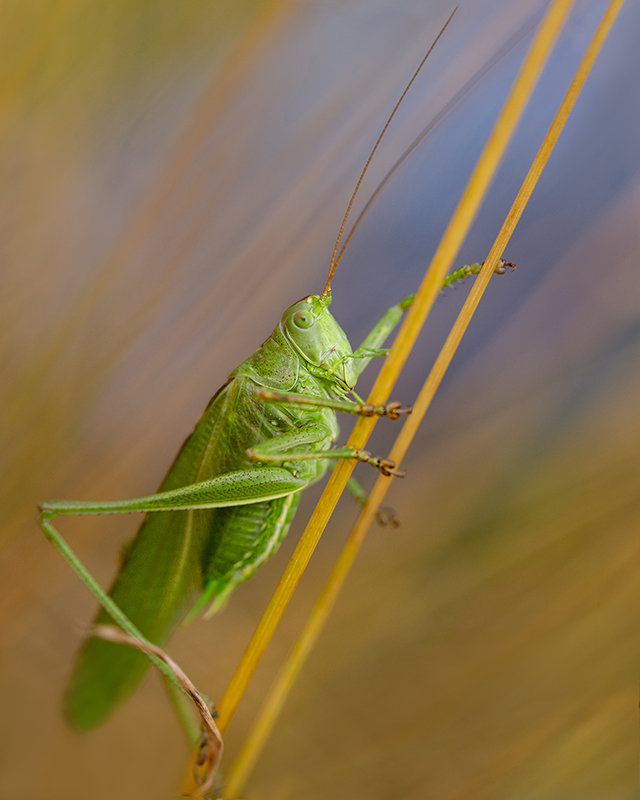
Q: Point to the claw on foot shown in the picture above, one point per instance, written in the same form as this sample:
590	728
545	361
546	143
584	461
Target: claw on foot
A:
501	267
395	409
391	410
387	517
386	465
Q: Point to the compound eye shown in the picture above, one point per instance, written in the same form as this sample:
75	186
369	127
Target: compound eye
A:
303	318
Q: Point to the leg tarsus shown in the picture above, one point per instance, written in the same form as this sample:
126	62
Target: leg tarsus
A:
386	465
391	410
467	270
387	517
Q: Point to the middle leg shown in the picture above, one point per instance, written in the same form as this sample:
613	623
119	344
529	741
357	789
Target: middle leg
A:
390	410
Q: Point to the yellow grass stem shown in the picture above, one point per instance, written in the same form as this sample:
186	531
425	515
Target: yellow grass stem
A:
441	262
287	675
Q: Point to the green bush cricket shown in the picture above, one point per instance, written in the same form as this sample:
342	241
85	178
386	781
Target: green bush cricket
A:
229	498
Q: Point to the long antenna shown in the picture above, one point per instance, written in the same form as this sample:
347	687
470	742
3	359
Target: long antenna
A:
505	50
335	259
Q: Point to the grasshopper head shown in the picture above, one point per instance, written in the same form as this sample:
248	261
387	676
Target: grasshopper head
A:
320	341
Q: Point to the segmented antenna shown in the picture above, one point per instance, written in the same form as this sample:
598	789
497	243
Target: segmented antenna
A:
505	50
335	258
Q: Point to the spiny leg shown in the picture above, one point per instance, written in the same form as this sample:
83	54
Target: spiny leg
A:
265	454
391	410
243	486
288	447
228	489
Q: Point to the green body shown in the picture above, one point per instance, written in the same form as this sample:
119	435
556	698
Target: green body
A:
229	498
181	559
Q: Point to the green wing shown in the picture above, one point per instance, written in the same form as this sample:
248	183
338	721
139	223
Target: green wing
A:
161	576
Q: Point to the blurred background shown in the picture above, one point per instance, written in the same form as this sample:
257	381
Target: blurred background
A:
173	177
